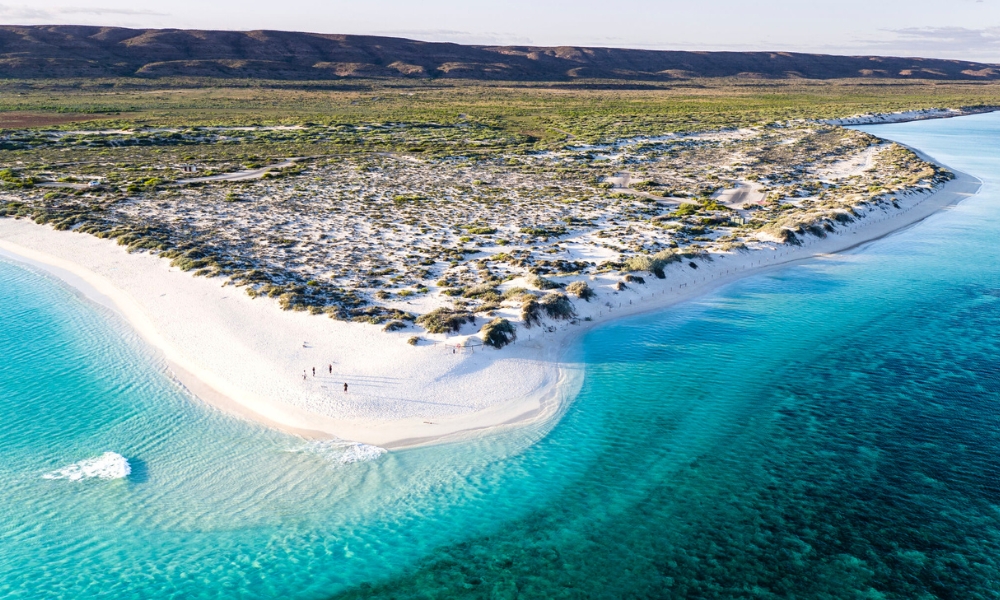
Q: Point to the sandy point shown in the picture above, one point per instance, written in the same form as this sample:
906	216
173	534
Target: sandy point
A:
249	358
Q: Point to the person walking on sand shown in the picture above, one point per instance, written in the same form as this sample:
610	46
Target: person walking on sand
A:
314	371
331	368
303	374
345	388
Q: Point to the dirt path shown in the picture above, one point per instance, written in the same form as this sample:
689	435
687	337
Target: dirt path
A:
64	184
240	175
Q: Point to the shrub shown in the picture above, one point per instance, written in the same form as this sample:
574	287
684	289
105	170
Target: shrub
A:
401	199
394	326
554	231
542	283
642	262
816	230
445	320
414	340
634	278
653	264
478	291
531	312
581	290
713	205
557	306
291	301
498	333
787	236
685	210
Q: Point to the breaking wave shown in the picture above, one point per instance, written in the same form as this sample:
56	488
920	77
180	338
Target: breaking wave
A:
109	465
342	451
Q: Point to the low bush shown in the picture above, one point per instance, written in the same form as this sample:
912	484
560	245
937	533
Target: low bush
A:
787	236
557	306
394	326
816	229
498	333
445	320
554	231
581	290
481	290
652	263
542	283
685	210
488	308
531	312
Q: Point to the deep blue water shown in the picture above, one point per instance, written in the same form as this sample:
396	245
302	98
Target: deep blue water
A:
828	430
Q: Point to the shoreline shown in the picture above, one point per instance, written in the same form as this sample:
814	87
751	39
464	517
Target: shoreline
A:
243	356
908	116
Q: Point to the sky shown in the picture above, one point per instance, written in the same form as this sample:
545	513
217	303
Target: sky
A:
962	29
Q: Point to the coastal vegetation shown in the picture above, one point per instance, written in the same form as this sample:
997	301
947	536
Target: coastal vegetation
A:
581	290
356	201
498	333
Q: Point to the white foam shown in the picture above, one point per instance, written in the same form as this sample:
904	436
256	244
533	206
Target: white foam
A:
109	465
342	451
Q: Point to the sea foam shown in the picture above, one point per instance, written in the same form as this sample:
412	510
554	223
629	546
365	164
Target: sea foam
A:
109	465
342	451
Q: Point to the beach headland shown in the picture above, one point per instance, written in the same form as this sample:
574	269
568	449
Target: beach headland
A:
248	357
906	116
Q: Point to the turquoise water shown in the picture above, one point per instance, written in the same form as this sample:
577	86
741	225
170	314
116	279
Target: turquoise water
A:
824	431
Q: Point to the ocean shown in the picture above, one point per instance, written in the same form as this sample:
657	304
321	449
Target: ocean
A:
825	430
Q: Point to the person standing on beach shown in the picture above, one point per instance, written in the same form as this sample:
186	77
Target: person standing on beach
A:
314	371
303	374
345	388
331	369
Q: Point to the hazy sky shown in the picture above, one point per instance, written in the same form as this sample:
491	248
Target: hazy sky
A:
967	29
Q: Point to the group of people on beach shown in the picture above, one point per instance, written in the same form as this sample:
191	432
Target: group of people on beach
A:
329	368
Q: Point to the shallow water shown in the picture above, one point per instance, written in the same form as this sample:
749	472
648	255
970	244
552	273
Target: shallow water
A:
827	430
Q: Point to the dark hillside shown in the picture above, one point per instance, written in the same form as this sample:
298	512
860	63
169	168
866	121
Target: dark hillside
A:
54	52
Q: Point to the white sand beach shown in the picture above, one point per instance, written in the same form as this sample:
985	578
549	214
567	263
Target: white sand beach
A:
904	116
248	357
